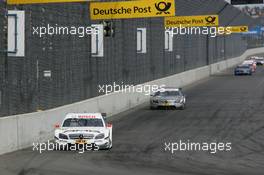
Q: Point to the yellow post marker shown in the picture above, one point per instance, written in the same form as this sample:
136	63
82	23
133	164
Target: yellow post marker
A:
192	21
132	9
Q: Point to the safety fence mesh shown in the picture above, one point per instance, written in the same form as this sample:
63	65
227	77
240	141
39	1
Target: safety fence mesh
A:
75	74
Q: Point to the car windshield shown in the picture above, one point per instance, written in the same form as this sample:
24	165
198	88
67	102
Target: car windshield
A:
91	122
244	66
168	93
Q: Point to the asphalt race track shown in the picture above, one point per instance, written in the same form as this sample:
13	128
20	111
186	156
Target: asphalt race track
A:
222	108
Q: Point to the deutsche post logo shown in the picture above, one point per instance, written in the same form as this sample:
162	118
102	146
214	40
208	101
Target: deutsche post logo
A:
163	7
131	9
243	29
210	19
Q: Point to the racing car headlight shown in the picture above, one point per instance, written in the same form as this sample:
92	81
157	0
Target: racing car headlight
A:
178	100
100	136
63	136
182	99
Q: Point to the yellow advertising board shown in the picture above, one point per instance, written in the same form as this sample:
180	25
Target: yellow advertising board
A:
42	1
239	29
192	21
132	9
232	29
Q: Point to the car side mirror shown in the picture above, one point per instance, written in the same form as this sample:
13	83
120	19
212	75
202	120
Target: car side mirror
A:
109	125
57	126
104	115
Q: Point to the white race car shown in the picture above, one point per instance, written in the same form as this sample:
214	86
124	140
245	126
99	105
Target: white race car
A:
259	60
168	96
86	129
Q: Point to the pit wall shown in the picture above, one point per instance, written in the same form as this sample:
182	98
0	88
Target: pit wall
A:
20	131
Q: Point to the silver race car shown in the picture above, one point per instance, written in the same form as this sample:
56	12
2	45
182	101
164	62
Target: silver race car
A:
168	97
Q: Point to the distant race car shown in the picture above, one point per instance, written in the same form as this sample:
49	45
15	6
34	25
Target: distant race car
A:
243	70
84	128
259	60
166	97
252	64
251	58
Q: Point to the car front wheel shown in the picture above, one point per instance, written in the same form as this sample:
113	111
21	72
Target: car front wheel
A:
182	107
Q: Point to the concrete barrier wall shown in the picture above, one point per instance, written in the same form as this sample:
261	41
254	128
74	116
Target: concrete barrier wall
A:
20	131
217	67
